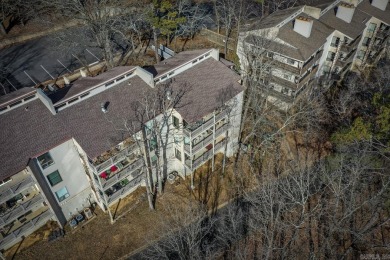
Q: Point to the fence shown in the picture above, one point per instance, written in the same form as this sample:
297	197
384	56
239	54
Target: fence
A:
219	39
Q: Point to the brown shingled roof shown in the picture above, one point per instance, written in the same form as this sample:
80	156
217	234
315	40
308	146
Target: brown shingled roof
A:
352	29
271	20
27	133
367	8
208	81
85	83
305	46
15	95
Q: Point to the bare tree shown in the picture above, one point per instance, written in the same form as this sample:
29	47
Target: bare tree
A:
186	234
106	22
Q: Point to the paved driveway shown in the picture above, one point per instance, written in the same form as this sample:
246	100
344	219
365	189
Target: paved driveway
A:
38	60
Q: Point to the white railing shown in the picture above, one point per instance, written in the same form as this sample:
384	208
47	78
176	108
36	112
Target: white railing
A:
28	227
122	174
121	155
21	209
124	189
15	189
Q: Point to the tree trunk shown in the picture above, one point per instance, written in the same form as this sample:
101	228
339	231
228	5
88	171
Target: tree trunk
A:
149	173
156	47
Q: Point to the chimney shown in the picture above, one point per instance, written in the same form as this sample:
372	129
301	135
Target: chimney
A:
345	12
380	4
303	25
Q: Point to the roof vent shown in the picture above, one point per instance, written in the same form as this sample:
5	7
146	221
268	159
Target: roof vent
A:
303	25
380	4
345	12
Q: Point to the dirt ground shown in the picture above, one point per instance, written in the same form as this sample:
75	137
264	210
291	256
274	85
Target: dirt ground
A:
135	222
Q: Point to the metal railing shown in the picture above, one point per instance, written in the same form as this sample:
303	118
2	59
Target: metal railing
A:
33	224
122	174
121	155
124	189
204	126
21	209
15	189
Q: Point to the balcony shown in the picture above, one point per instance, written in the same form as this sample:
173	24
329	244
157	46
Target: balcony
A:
349	47
282	65
346	60
15	189
203	158
23	208
121	188
309	64
198	128
283	82
37	219
116	157
383	33
122	173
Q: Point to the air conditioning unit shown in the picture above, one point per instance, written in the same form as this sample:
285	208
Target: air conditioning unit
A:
88	213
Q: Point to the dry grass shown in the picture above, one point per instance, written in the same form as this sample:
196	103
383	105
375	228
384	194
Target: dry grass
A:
135	222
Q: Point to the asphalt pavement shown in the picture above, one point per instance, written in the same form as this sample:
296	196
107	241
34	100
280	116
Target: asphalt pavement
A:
38	60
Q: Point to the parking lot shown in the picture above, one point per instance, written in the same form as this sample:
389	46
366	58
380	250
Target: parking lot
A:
33	62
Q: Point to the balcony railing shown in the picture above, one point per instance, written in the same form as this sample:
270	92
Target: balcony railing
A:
283	82
120	192
203	143
21	209
121	155
349	47
383	33
346	60
284	66
311	62
221	130
204	157
122	174
204	126
15	189
187	148
28	227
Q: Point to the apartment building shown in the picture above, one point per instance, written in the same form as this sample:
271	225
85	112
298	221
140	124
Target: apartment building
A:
322	41
84	144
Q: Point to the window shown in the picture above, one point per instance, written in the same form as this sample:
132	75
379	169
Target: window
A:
366	41
153	144
148	127
154	160
371	27
176	122
62	194
54	178
361	54
330	56
45	160
335	41
178	154
326	69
